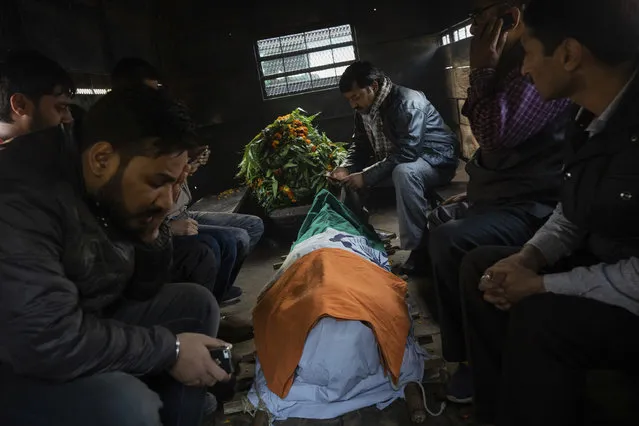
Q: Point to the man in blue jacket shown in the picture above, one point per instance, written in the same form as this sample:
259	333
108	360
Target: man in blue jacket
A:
399	135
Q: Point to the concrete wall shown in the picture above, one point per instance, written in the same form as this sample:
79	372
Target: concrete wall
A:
457	71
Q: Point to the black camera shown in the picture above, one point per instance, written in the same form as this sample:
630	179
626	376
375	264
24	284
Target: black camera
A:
223	358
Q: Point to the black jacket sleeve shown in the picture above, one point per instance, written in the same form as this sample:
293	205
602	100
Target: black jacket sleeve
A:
43	331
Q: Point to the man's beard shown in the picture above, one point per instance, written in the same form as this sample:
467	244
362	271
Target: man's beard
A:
111	203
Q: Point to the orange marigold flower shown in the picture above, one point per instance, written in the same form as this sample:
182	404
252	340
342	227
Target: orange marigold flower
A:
308	141
313	148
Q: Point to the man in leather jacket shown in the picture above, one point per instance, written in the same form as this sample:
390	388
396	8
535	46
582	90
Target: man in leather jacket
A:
399	136
568	301
88	328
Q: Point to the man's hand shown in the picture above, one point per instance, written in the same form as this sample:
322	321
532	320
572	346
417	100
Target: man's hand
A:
487	46
184	227
508	282
455	199
354	181
194	366
339	174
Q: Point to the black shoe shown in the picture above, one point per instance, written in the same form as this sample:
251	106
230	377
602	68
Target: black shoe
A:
235	330
417	264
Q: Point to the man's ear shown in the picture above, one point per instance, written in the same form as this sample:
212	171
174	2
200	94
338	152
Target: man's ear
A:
21	105
375	86
102	160
572	54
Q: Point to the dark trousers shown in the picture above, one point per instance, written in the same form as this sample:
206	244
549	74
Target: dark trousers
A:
225	247
530	364
448	244
194	261
117	398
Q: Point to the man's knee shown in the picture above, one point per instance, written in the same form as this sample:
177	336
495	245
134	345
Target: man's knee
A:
243	243
405	174
200	304
123	400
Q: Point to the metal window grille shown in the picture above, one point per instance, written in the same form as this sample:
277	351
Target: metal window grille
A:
304	62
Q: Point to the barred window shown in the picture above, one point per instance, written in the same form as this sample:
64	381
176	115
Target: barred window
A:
304	62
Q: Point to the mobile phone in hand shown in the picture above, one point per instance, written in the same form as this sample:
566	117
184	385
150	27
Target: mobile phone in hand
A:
223	358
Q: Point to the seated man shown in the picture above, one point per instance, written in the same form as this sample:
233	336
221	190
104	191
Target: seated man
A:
404	136
87	327
515	174
218	274
245	229
36	93
568	301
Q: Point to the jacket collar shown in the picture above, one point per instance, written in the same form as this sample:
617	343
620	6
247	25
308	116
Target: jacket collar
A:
622	116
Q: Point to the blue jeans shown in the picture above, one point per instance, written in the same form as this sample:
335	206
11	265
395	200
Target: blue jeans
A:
245	228
224	247
411	182
116	398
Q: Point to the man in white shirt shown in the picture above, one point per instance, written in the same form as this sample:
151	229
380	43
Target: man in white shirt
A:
568	301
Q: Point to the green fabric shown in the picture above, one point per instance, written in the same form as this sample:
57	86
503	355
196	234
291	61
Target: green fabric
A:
328	212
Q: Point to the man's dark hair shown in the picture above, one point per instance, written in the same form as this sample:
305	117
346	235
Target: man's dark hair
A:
608	28
139	121
362	73
132	72
32	74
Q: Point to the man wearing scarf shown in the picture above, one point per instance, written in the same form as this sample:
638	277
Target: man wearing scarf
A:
399	136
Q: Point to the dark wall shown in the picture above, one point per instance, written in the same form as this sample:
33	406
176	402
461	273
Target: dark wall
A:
211	65
205	51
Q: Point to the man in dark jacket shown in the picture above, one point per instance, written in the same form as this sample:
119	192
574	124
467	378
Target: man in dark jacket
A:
568	301
87	327
399	135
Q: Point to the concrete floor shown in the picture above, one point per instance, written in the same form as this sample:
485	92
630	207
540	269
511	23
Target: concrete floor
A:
256	273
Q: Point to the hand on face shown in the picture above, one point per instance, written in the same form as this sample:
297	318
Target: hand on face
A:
487	46
508	282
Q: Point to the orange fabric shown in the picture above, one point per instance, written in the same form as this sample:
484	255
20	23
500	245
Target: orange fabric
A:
328	282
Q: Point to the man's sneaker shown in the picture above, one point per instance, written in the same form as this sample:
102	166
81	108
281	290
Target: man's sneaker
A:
460	386
232	296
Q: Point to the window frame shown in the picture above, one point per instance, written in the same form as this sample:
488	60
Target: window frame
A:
452	34
263	78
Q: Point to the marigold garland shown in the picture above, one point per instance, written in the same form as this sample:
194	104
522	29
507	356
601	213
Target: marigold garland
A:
286	163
